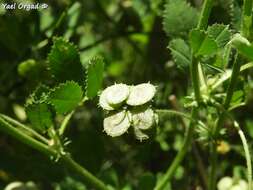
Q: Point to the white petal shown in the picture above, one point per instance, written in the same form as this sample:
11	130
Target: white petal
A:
140	135
143	118
103	102
141	94
117	124
116	94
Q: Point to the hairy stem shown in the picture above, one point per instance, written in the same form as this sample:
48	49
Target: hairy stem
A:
50	152
25	128
24	138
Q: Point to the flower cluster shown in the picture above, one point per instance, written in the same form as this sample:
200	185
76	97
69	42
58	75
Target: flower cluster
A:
128	106
228	183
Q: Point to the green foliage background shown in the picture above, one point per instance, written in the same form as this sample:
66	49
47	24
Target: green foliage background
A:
140	41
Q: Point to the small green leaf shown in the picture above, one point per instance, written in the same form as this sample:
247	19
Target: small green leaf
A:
180	52
202	44
179	18
66	97
243	46
40	116
220	33
64	61
94	76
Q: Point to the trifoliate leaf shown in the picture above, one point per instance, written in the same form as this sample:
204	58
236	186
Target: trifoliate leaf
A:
143	118
40	116
64	61
141	94
220	33
202	44
94	76
180	52
179	18
117	123
117	94
65	97
243	46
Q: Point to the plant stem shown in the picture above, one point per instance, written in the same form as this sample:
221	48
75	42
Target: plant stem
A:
181	114
180	155
65	122
50	152
86	175
247	18
205	13
195	82
245	30
247	154
27	129
24	138
195	79
67	118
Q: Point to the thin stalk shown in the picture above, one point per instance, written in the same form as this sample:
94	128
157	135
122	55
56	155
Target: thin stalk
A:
247	154
50	152
181	114
24	138
25	128
86	175
65	123
180	155
245	30
220	122
205	13
247	18
67	118
196	86
195	79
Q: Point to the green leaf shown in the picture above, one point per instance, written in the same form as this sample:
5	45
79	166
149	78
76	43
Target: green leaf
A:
39	95
180	52
202	44
243	46
40	116
65	97
64	61
179	18
220	33
94	76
